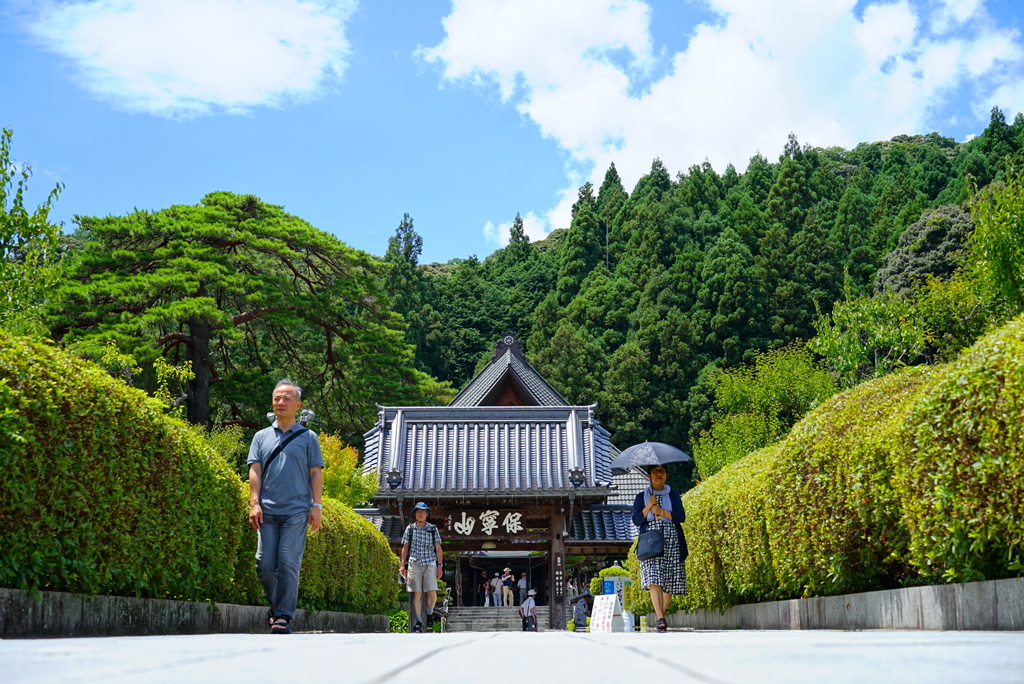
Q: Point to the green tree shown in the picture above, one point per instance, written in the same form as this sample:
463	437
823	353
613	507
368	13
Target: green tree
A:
344	480
28	248
461	328
580	251
242	292
868	337
850	236
610	199
758	403
404	282
792	195
997	243
729	307
932	245
957	311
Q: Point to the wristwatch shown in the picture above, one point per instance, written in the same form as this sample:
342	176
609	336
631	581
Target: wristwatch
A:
318	505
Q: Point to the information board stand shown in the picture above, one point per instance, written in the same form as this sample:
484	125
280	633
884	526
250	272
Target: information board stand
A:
606	615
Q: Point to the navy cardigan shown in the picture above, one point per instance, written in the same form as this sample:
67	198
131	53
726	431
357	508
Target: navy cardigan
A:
678	516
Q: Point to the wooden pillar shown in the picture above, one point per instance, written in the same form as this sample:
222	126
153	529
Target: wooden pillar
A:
556	571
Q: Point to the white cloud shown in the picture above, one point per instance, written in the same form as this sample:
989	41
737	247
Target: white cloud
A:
192	57
765	69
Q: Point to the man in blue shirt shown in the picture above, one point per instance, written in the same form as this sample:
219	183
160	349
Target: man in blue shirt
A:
285	490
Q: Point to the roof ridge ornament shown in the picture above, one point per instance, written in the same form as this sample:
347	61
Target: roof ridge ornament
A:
508	341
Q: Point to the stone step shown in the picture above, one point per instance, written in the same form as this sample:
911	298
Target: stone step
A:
481	619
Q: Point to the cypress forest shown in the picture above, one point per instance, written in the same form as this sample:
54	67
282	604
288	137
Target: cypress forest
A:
703	309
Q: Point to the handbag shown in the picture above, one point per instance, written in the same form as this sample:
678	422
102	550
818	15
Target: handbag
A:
651	544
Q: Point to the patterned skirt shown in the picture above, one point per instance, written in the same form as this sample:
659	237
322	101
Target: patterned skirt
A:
666	571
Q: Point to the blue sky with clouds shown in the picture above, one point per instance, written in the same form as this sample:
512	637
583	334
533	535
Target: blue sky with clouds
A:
464	113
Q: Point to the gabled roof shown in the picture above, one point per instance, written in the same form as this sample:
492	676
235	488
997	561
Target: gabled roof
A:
508	432
508	369
455	450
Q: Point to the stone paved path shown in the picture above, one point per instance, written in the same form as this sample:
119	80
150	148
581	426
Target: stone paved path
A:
707	657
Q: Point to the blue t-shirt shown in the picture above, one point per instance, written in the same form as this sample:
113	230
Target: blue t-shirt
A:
285	490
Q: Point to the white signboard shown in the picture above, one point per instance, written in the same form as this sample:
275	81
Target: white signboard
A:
606	615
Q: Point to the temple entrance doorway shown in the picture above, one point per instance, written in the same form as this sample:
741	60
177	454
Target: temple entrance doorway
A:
474	568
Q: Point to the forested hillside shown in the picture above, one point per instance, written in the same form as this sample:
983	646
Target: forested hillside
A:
650	291
640	305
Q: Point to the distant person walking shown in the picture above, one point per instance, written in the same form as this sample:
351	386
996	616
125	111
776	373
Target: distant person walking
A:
285	489
421	566
496	587
659	507
484	589
508	580
522	588
528	612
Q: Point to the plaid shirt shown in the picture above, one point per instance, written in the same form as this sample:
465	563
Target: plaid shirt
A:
420	541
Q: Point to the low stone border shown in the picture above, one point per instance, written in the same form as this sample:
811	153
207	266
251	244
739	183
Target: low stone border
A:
57	614
996	605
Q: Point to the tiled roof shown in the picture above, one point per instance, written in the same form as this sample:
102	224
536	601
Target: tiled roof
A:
504	368
390	525
494	449
627	486
603	523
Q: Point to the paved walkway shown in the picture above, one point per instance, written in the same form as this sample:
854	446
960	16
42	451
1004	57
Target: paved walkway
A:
706	657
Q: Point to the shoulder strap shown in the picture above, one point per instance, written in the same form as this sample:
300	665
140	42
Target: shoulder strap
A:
279	448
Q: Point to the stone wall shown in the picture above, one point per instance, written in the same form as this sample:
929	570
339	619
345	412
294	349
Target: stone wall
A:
57	614
990	605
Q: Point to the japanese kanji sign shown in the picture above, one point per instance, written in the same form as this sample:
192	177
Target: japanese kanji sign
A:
490	522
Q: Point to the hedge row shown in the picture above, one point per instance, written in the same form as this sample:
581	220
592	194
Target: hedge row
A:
917	477
101	492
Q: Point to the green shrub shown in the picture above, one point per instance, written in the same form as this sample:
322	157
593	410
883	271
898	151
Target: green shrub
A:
101	492
726	536
399	621
814	514
963	481
911	478
833	519
348	565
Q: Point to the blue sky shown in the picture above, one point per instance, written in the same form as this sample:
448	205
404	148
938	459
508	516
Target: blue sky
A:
464	113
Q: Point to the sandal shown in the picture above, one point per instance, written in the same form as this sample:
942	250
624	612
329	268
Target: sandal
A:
662	625
270	617
281	626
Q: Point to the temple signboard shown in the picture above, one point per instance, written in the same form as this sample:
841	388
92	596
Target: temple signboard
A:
488	522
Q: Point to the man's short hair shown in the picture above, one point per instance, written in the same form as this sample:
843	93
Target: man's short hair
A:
286	381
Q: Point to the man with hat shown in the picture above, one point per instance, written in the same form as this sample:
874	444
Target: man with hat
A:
581	611
528	612
508	580
421	566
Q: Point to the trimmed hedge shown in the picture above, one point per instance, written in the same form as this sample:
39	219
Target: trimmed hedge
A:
963	481
101	492
833	519
916	477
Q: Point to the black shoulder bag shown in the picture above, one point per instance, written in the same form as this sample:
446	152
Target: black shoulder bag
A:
279	448
650	545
